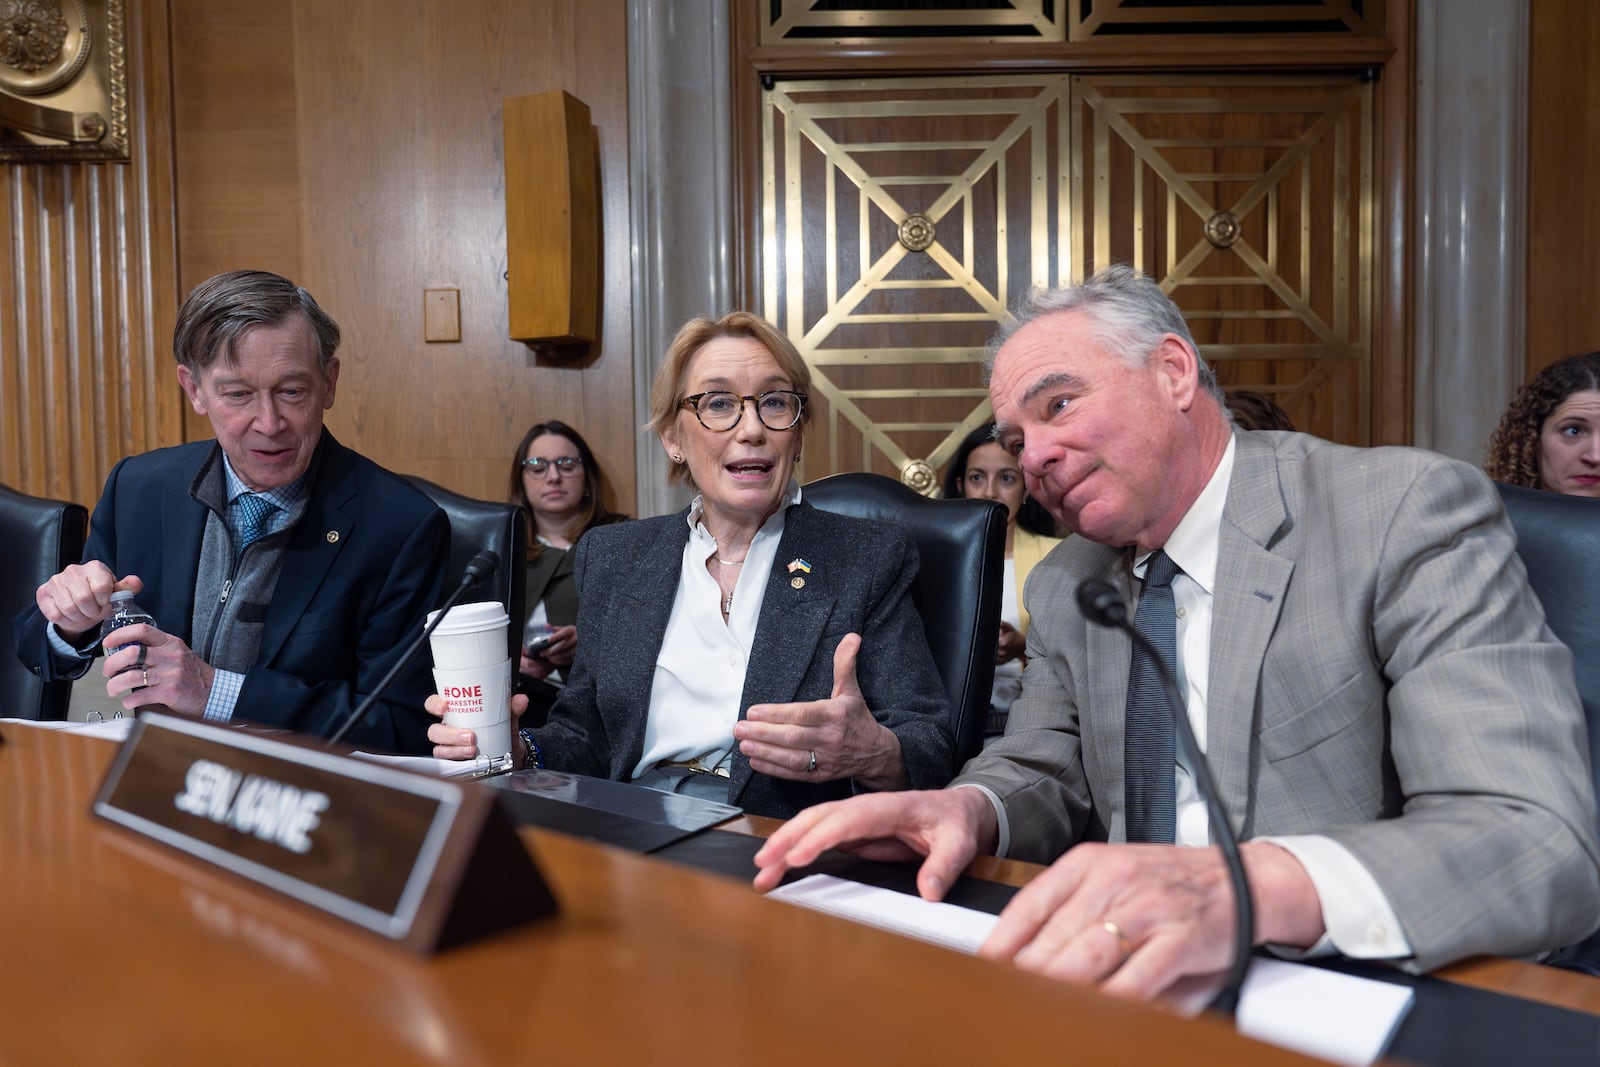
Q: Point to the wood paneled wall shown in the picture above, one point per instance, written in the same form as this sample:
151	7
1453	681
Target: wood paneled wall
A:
1563	180
88	295
356	147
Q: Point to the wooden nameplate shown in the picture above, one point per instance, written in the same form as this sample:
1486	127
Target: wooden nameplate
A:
427	862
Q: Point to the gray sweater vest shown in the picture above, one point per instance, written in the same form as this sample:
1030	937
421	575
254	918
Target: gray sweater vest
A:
232	588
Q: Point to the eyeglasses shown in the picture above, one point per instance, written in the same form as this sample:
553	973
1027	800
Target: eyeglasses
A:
778	409
537	465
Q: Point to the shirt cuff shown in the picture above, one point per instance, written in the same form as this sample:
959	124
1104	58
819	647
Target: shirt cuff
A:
1003	840
73	659
225	687
1359	920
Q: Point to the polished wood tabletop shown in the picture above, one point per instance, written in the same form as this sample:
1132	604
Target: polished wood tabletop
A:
118	950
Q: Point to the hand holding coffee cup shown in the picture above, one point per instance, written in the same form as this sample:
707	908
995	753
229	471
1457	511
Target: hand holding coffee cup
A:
459	743
472	674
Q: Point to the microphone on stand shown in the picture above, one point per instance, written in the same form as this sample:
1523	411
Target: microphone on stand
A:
1100	603
479	567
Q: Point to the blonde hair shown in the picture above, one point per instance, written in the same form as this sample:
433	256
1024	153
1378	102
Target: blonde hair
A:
667	390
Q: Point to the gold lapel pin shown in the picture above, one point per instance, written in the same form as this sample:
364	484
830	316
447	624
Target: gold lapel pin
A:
797	582
333	537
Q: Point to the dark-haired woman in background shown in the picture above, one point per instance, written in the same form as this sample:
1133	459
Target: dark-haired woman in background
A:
983	470
1549	438
554	475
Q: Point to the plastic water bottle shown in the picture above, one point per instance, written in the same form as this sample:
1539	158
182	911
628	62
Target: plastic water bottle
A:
124	612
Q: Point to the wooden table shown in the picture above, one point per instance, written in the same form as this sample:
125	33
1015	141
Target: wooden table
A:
117	950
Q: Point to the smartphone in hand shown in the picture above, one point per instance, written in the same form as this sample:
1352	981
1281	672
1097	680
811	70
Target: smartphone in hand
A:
536	647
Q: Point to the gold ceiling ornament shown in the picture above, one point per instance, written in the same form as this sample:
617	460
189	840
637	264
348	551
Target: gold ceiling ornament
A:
1222	229
36	53
63	80
918	232
918	475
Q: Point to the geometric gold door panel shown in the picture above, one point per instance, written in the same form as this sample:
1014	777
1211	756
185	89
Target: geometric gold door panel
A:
900	217
1250	199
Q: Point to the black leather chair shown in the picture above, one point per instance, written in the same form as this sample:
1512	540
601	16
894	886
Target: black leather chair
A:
957	592
40	537
1558	539
476	525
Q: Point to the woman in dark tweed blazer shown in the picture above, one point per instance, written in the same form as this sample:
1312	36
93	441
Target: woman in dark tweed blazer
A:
807	678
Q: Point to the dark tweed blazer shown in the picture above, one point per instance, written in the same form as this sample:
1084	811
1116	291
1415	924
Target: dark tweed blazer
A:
861	575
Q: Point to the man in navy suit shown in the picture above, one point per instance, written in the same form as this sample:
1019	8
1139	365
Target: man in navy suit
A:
285	572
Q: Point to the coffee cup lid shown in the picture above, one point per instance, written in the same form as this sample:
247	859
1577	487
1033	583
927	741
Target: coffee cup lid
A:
471	618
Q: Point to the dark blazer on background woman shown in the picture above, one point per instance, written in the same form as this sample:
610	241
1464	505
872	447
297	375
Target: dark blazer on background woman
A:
550	579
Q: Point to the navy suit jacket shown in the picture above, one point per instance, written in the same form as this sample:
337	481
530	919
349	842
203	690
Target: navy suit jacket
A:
861	575
361	570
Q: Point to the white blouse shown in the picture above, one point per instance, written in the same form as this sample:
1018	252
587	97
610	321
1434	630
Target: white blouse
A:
699	678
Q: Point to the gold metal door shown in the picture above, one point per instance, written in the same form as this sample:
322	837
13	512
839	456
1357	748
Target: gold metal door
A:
901	216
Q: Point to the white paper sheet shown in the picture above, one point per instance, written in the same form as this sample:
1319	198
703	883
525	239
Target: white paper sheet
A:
110	729
1337	1017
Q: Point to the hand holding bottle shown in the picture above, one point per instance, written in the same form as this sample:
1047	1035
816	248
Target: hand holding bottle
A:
78	600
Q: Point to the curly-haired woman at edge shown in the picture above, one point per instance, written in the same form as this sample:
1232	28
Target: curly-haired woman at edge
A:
1549	437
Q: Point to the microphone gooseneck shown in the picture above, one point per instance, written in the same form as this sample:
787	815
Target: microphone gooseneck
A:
479	567
1100	603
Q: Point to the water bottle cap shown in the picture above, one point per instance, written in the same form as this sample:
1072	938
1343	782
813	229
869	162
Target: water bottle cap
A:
121	596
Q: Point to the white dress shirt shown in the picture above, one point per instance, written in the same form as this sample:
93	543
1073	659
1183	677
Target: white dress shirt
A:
699	677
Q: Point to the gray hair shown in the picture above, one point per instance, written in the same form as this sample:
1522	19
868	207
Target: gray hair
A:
223	308
1129	311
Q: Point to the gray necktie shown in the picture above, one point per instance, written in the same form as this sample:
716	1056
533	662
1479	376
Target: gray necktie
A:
255	513
1148	741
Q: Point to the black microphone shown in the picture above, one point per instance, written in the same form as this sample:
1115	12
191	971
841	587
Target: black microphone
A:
479	567
1100	602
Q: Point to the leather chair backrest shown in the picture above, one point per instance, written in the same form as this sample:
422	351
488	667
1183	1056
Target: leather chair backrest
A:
957	591
38	538
1558	538
476	525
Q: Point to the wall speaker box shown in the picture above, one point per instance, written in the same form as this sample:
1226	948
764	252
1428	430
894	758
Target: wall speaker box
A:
552	219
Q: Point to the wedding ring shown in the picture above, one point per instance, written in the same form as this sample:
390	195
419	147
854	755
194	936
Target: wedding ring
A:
812	768
146	672
1123	944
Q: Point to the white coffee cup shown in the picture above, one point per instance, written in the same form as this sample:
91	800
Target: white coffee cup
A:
471	635
480	701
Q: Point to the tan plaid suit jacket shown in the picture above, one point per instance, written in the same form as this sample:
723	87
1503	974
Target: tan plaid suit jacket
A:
1380	673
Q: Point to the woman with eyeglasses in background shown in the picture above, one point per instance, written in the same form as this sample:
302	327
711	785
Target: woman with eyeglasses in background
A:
749	649
554	475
